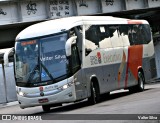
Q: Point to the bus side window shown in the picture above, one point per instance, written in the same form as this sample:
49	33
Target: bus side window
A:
125	32
77	31
146	32
105	37
75	59
92	38
115	36
141	34
97	36
136	33
128	34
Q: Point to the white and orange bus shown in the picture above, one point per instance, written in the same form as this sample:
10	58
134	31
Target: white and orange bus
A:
74	58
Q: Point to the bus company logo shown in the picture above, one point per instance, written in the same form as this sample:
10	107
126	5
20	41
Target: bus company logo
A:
41	91
41	88
111	58
96	59
99	57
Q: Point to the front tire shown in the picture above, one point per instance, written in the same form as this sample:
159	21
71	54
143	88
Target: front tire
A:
95	94
46	108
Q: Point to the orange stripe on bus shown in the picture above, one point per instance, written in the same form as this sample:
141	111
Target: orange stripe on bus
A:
135	54
134	22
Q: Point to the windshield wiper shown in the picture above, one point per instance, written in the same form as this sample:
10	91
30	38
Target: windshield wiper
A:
36	68
49	74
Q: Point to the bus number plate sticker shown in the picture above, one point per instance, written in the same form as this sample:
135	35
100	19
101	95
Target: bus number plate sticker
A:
43	100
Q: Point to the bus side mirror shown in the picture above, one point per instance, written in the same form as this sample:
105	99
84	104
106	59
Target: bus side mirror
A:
69	43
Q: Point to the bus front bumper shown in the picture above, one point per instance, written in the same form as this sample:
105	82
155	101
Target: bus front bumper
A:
65	96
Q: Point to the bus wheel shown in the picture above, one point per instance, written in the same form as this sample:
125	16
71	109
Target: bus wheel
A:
141	81
46	108
140	86
95	95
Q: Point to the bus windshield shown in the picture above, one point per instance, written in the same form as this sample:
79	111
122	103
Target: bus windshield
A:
41	60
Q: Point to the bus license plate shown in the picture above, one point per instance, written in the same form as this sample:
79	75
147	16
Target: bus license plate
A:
43	100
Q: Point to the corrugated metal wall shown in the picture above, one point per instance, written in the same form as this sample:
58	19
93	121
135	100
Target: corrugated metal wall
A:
8	89
2	87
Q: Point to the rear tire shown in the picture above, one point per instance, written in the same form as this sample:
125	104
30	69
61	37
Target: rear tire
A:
141	81
140	86
95	94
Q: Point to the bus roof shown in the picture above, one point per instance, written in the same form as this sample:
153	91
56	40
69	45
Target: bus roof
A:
62	24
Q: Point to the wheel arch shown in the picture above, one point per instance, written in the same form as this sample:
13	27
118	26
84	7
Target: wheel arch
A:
94	80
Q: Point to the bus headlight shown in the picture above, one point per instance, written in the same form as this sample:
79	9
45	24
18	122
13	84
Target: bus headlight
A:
65	86
21	93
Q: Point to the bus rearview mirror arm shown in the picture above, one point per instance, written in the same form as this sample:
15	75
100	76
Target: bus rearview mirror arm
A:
69	43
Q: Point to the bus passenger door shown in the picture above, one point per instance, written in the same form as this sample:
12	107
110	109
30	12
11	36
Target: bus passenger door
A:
80	86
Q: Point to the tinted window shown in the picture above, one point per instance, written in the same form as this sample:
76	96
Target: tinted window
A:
53	56
115	35
106	36
77	31
125	34
97	36
75	59
146	32
137	34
